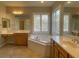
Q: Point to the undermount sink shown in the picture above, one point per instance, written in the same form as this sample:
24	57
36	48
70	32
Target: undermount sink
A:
64	45
76	33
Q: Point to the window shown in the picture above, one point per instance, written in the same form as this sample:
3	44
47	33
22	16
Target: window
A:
40	22
44	22
66	23
36	22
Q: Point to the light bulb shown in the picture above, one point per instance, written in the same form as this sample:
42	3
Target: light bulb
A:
68	2
17	12
42	1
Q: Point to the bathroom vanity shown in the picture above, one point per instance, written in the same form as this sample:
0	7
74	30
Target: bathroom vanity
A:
16	38
58	51
63	48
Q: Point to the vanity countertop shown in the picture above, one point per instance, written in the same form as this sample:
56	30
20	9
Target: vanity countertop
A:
12	32
67	45
22	31
6	33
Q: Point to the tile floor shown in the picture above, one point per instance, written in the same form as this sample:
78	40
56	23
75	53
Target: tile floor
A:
10	51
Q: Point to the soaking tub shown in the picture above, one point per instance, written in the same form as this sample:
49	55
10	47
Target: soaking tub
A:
40	44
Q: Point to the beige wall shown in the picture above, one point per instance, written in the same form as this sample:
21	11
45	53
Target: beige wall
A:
2	14
29	11
9	16
71	10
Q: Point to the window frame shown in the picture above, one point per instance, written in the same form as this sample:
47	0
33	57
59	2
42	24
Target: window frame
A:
41	22
68	22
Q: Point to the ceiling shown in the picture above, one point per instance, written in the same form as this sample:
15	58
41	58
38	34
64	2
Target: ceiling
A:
36	3
28	3
72	4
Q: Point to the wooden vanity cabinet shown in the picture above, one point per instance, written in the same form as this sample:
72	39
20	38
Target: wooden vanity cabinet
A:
21	39
58	52
7	37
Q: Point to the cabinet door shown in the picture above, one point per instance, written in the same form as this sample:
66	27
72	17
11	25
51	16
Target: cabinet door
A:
21	38
56	53
51	51
69	56
61	55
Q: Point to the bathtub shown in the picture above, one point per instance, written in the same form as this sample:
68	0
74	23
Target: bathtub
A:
41	47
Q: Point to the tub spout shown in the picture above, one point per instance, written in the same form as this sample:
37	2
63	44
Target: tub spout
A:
37	38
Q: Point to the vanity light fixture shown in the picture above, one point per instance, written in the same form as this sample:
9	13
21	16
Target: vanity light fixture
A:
69	2
17	12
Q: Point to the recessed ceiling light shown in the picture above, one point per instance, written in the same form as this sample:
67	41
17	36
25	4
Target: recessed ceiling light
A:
69	2
17	12
42	1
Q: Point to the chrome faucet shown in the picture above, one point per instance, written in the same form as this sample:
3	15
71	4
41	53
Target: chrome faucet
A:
37	37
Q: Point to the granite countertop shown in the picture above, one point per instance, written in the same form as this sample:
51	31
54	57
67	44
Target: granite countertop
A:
22	31
12	32
67	45
6	33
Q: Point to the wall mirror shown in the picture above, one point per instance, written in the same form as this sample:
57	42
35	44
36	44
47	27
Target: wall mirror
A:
5	23
71	19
